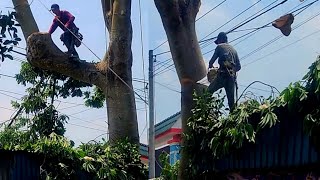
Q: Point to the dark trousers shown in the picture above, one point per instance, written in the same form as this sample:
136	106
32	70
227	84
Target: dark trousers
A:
224	80
68	40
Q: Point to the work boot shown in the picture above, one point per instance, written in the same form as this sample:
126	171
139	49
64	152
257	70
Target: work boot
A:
74	57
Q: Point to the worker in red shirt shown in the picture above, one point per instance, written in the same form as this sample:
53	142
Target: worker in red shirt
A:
65	20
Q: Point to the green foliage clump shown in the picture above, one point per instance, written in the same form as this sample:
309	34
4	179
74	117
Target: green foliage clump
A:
213	134
60	160
168	171
37	126
8	26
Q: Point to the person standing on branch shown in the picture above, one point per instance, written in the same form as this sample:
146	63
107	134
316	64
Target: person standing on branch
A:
229	65
65	20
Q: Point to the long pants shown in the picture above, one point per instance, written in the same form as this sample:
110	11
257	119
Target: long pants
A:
227	82
68	39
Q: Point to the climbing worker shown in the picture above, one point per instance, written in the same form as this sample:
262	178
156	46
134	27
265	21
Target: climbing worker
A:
65	20
229	64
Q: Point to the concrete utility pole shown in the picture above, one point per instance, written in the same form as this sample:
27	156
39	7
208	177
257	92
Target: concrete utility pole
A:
151	117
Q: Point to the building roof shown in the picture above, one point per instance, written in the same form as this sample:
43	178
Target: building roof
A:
166	124
143	150
161	127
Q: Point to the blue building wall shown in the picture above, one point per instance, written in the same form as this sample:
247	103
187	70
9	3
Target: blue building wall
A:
174	153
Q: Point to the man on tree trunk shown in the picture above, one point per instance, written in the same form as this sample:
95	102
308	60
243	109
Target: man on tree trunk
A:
229	65
65	20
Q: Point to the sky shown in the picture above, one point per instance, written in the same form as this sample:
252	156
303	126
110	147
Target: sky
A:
278	69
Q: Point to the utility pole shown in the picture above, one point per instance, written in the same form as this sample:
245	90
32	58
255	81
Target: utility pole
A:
151	117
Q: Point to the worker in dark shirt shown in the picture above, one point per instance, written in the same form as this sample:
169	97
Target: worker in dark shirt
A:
229	64
65	20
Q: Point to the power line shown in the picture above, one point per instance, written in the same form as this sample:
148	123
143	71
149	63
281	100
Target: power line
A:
85	110
1	107
168	87
90	122
231	20
210	10
165	62
86	127
277	38
75	104
143	61
263	90
9	96
238	26
278	50
272	88
5	75
165	70
12	92
255	32
250	17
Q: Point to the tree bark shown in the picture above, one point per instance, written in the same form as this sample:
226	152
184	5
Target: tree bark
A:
178	18
25	17
44	54
121	105
117	63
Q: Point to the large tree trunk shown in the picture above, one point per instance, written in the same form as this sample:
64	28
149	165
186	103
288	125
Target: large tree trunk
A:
107	74
178	18
120	96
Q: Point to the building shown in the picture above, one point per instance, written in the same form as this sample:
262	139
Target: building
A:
167	139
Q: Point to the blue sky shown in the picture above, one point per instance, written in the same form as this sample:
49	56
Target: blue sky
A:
279	69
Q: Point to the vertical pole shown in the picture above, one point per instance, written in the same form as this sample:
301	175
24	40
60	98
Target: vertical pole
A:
151	117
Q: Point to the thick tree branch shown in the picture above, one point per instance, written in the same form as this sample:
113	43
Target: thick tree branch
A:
178	18
107	12
44	54
25	17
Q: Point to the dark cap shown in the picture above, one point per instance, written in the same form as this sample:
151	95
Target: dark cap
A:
55	7
222	37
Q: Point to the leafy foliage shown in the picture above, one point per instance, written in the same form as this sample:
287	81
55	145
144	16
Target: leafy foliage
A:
8	27
38	127
45	88
168	171
214	134
43	133
121	161
62	161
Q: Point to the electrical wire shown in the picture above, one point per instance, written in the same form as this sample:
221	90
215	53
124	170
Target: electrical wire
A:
278	50
277	38
242	12
143	64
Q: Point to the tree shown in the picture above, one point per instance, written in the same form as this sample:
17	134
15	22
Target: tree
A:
178	18
8	28
112	74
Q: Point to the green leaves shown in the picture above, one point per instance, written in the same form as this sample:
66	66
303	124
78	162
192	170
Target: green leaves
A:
168	172
7	23
62	161
268	119
213	135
